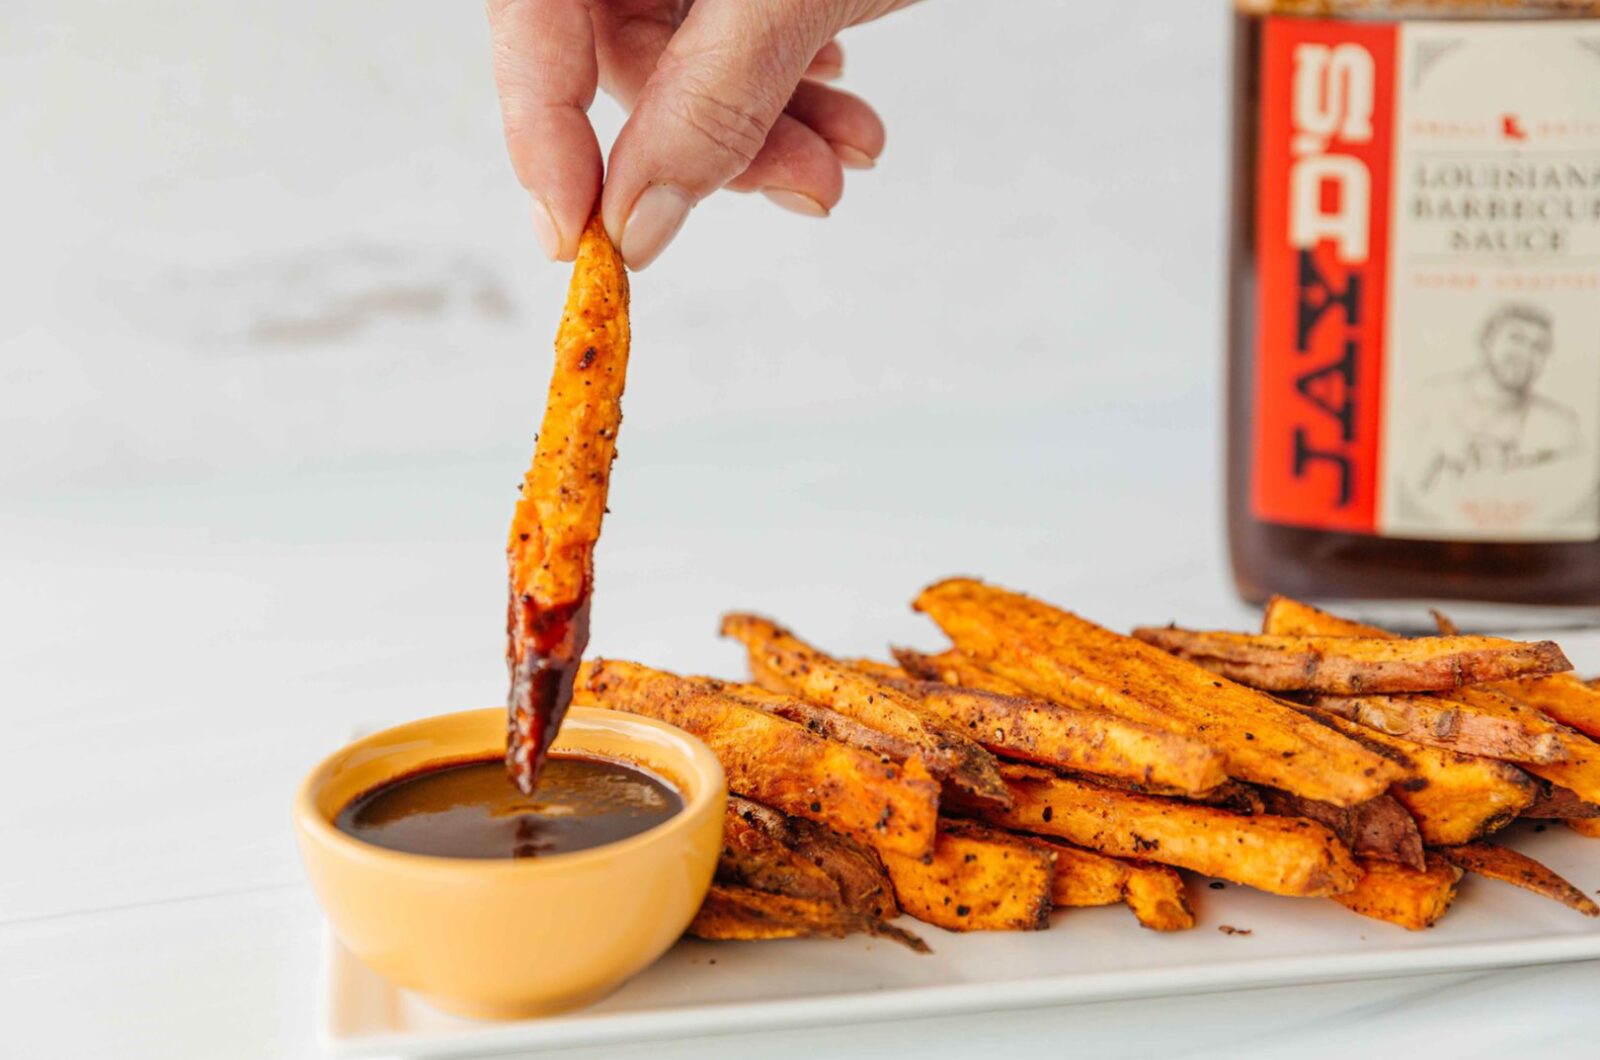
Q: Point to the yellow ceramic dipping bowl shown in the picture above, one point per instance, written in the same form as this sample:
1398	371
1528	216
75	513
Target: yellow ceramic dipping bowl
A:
519	937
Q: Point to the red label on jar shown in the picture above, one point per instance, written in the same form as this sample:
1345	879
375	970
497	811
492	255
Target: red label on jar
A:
1323	180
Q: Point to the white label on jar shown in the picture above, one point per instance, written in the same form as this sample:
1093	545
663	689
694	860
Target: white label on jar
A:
1490	422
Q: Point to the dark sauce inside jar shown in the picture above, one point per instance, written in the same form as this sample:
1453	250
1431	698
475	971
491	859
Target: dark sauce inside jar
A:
473	810
1322	562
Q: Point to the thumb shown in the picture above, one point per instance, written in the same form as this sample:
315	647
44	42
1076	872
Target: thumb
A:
705	113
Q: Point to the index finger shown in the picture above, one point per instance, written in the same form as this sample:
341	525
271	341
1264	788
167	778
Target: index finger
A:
546	72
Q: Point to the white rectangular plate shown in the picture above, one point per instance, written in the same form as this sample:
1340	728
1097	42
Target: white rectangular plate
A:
1088	955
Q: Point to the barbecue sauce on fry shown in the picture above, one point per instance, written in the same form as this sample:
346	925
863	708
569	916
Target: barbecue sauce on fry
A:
471	810
545	648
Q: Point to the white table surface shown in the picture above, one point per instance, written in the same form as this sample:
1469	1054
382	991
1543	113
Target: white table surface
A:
272	346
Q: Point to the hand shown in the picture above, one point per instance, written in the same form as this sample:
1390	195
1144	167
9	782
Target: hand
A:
722	93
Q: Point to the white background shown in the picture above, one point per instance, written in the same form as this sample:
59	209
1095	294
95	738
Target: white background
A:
273	343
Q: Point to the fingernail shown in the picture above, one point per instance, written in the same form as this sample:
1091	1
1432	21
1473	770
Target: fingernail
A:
852	157
658	213
795	201
825	72
544	226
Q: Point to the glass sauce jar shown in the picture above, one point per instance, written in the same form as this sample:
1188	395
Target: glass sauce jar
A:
1414	302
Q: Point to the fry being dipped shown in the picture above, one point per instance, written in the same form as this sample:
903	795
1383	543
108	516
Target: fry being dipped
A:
557	520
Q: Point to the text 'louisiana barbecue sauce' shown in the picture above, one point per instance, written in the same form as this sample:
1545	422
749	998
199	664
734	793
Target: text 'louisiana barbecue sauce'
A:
1415	301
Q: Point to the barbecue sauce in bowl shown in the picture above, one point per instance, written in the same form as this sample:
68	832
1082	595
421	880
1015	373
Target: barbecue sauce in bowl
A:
473	810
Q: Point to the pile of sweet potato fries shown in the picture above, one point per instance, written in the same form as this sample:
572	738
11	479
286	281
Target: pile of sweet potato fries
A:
1046	762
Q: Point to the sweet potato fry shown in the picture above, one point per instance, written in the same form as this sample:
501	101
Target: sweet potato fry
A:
1563	697
1412	898
1579	767
1284	855
557	519
757	852
976	879
1555	803
1477	725
1234	796
877	668
864	884
1579	771
1476	711
951	756
820	720
1454	798
1377	830
1031	728
1083	741
1154	893
769	679
770	692
1585	826
1062	657
954	668
1084	878
734	913
1509	866
1286	617
892	805
1358	665
1158	899
766	850
803	859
